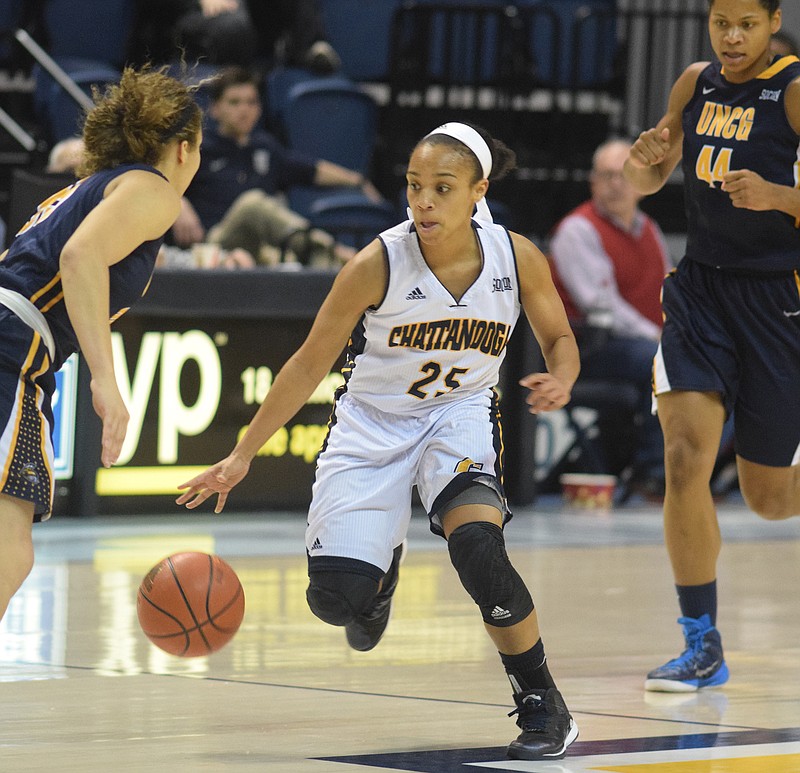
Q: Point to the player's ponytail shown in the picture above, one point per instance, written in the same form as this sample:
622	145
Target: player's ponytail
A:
133	120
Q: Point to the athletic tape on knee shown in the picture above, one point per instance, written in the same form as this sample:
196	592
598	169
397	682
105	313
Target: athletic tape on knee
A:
478	553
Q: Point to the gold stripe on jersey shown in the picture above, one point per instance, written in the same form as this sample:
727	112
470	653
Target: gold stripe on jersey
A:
455	335
500	445
116	316
49	286
53	286
778	66
774	68
52	302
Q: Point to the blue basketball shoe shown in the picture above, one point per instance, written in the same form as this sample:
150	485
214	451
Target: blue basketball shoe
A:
702	663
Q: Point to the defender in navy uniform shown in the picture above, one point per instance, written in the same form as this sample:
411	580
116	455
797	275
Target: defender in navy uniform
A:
82	259
731	339
432	302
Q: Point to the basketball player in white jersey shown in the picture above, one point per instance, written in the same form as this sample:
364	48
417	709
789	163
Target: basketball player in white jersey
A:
425	311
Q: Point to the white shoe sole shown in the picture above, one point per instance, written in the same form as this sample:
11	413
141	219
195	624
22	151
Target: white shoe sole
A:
572	734
668	685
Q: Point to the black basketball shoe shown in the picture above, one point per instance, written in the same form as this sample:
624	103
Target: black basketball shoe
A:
366	630
547	727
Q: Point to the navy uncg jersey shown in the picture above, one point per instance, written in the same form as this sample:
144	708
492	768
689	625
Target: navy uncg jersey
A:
31	266
729	126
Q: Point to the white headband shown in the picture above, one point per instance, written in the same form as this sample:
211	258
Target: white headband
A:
476	143
472	139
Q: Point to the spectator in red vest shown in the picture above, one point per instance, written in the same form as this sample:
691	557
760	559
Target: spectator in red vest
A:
609	260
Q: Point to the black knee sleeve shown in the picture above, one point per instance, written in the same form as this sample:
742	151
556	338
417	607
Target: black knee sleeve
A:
478	553
338	597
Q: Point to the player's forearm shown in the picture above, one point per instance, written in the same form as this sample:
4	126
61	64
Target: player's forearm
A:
85	283
563	360
787	200
645	180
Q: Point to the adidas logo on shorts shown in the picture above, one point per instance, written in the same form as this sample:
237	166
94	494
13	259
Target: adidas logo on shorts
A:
416	295
498	613
317	544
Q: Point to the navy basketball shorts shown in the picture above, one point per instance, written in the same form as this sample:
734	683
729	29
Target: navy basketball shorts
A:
737	334
26	390
362	496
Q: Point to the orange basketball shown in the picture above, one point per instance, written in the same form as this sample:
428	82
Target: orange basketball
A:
190	604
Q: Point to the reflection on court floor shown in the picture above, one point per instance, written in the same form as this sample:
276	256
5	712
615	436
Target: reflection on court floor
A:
288	696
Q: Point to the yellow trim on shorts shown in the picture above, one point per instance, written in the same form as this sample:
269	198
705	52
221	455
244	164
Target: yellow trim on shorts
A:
21	402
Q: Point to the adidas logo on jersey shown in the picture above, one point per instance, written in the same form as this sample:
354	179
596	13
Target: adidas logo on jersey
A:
498	613
416	295
317	544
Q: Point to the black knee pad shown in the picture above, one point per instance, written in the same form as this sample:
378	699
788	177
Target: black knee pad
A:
339	597
478	553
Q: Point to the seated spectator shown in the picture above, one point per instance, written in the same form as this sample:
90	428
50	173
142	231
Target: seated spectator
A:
292	33
236	197
217	32
66	157
234	32
609	260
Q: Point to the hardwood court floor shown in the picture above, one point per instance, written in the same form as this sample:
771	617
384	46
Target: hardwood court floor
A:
83	690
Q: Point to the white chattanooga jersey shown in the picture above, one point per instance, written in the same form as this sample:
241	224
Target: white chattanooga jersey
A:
421	347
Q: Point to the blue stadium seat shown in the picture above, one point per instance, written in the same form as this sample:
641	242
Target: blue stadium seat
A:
360	30
59	112
351	217
337	121
89	29
278	82
334	120
574	41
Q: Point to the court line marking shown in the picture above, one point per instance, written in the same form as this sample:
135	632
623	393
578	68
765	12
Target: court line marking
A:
589	763
369	694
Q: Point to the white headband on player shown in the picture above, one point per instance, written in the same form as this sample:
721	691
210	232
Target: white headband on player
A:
473	140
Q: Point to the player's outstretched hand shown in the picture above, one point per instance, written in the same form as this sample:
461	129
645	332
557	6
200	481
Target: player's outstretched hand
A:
547	393
109	406
218	479
650	149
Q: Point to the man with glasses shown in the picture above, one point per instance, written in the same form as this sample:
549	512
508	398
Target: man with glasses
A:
609	260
